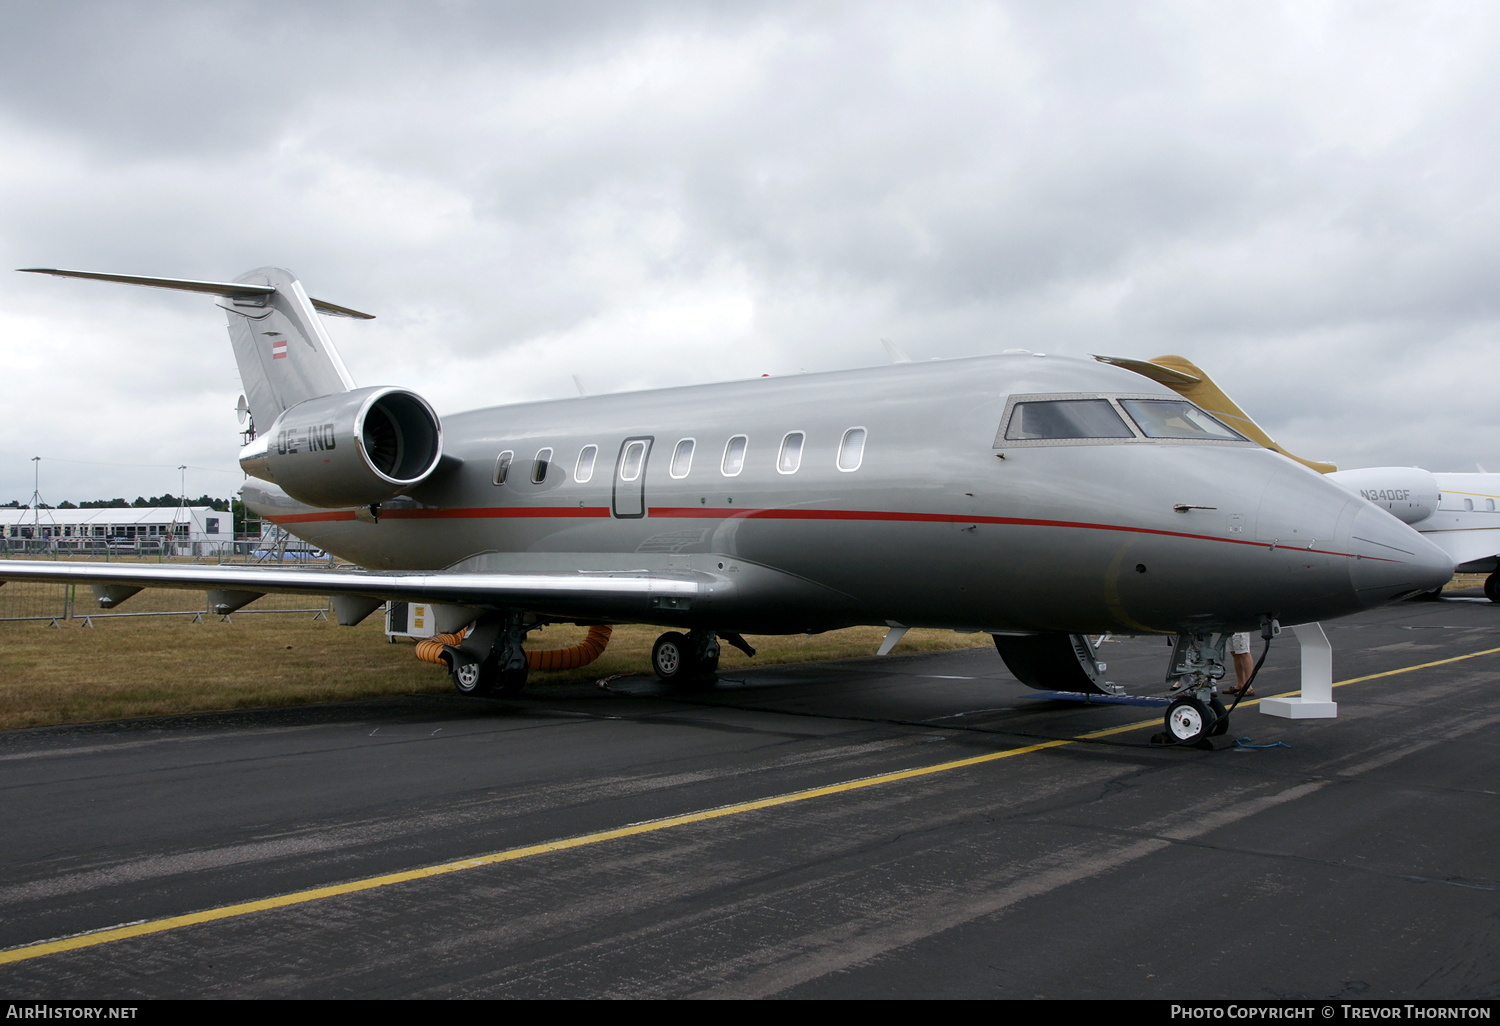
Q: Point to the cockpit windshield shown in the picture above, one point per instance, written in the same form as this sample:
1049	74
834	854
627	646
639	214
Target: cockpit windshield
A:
1094	419
1173	418
1066	418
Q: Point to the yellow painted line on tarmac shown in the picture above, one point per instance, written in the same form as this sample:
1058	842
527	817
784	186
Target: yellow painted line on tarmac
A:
147	927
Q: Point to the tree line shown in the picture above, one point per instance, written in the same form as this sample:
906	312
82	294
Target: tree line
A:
141	502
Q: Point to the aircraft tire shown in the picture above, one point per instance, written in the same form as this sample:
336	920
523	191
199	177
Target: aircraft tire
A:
1492	587
1188	721
1221	722
510	682
474	678
670	659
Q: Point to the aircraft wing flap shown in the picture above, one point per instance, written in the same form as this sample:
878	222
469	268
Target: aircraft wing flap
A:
578	593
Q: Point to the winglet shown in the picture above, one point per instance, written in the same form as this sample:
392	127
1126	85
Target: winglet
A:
1189	381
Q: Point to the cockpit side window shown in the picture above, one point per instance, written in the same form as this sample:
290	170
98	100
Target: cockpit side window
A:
1173	418
1066	418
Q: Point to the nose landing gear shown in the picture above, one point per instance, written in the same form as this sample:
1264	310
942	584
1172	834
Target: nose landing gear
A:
1196	717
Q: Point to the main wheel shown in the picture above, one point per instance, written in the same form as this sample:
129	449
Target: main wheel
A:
707	657
1492	587
511	682
670	657
472	676
1189	721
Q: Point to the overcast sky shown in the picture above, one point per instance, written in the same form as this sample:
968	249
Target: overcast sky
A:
1300	197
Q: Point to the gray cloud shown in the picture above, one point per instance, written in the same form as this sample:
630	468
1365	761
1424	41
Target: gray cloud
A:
1299	197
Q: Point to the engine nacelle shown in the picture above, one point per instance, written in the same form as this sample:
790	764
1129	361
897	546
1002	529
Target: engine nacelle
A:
349	449
1409	493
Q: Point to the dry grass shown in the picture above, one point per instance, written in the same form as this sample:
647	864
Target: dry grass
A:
148	666
132	666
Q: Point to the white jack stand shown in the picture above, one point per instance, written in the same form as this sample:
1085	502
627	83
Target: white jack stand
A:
1316	701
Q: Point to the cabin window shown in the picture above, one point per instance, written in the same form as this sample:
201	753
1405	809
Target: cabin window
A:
502	466
682	459
1066	418
1489	504
734	456
584	468
1468	505
852	449
1173	418
790	457
539	466
635	457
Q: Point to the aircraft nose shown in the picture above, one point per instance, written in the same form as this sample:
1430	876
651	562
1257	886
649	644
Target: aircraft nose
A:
1392	559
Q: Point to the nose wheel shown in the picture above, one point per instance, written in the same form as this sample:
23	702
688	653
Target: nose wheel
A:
1192	721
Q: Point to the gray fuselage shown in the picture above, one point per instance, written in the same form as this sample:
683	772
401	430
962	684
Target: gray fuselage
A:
942	523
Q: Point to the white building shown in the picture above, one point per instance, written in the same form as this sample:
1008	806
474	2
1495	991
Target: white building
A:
145	529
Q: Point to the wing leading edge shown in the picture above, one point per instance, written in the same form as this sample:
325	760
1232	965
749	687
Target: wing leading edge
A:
578	594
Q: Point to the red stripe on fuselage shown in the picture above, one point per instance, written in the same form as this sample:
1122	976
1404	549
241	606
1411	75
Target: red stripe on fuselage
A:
954	518
722	513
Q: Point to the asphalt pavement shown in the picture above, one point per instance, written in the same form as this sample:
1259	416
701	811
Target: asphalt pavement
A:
910	826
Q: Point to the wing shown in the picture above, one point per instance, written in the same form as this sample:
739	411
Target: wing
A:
628	595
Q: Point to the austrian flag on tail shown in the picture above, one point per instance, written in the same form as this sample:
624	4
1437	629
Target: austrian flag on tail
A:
278	349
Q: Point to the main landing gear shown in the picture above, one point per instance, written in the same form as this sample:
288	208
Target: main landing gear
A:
490	660
691	658
1492	587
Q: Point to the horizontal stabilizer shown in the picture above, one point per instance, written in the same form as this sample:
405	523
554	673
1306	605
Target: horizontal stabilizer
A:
227	289
1189	381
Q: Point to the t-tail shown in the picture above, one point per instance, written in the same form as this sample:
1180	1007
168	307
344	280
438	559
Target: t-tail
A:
323	441
284	354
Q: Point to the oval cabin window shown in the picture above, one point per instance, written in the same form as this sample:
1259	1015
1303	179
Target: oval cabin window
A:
584	468
734	456
790	456
852	449
502	466
682	459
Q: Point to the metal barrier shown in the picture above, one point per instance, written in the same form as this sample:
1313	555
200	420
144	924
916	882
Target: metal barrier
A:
22	601
240	550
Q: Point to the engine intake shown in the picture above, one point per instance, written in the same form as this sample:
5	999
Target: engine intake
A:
349	449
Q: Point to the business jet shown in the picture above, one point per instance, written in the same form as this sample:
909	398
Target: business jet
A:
1455	511
1037	498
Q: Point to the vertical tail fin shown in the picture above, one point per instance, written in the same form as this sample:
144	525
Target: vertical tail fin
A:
283	353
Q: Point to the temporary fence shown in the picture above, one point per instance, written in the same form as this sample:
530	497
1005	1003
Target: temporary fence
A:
57	603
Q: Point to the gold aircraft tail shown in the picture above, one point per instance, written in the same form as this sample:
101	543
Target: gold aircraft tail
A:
1189	381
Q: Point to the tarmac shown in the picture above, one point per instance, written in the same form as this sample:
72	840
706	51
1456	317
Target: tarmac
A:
902	827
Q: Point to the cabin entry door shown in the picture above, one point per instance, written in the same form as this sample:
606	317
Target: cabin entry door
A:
629	500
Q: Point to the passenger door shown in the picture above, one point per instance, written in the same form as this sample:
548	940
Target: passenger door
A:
629	499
